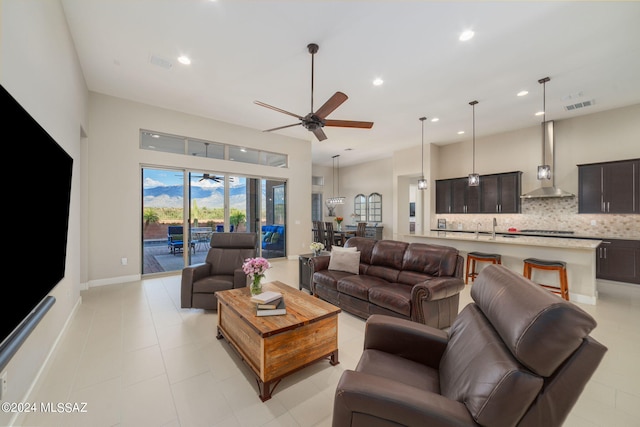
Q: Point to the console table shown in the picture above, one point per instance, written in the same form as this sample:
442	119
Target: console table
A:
371	232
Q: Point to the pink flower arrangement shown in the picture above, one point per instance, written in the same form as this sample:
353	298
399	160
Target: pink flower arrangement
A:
255	267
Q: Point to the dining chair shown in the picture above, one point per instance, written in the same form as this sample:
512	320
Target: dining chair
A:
318	232
361	229
332	239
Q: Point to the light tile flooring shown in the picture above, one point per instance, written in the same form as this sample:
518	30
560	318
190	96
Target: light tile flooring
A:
138	359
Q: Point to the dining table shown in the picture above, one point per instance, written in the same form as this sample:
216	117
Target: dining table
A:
342	235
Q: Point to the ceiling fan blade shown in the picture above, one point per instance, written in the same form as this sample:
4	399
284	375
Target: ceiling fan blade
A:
262	104
348	124
319	133
332	103
282	127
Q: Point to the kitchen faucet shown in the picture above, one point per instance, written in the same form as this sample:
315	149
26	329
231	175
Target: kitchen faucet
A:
493	233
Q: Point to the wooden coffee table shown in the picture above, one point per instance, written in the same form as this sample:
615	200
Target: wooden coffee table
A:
276	346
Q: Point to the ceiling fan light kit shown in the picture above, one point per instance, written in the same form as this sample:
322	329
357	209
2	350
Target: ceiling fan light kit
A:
315	121
422	183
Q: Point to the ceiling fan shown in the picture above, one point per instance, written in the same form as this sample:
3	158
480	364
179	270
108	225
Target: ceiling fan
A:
315	121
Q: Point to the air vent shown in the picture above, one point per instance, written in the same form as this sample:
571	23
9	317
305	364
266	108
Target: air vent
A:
577	105
160	62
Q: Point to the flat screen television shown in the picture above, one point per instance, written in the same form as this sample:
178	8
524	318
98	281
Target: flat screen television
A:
35	235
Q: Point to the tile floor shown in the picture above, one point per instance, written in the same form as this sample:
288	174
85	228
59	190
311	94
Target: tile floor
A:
138	359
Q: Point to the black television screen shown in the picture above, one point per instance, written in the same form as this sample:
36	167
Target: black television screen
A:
38	212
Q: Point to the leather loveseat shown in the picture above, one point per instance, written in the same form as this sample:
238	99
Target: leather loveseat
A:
516	356
415	281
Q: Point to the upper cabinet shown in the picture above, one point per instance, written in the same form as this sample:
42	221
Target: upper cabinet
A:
610	187
498	193
455	196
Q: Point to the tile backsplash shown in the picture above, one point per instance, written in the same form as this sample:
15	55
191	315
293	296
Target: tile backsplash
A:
550	214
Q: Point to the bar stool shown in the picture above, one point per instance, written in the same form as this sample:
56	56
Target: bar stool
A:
473	258
549	265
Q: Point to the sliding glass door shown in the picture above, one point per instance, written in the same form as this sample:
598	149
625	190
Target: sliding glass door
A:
182	209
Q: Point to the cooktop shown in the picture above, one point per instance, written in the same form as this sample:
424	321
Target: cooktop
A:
547	231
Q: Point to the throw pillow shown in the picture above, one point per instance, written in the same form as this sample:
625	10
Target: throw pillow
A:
275	237
267	236
341	249
348	261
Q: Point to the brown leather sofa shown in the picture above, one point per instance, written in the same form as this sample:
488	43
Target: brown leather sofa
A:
415	281
516	356
221	270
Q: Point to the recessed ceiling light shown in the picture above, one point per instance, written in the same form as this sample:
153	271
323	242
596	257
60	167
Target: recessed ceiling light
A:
523	93
378	81
184	60
435	119
539	113
460	132
466	35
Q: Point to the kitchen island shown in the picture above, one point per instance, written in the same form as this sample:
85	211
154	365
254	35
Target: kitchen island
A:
578	253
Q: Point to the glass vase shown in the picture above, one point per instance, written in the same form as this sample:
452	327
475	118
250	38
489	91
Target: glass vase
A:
256	285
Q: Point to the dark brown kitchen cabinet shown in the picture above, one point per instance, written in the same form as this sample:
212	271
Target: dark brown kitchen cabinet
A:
500	193
618	260
455	196
443	196
464	199
610	187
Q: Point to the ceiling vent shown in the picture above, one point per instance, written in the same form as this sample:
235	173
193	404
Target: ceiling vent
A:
577	105
160	62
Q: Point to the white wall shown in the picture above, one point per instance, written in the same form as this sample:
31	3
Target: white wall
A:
115	161
38	67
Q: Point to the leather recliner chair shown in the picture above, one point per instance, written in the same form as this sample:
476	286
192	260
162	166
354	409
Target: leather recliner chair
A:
516	356
221	270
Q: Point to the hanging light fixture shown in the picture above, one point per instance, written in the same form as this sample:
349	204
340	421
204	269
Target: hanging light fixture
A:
474	178
335	200
544	171
422	183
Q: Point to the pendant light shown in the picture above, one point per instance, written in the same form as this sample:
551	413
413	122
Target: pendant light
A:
422	183
335	200
474	178
544	171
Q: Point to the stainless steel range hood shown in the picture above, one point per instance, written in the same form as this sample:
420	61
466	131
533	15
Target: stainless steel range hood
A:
548	188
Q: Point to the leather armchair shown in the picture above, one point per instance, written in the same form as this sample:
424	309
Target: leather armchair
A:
221	270
516	356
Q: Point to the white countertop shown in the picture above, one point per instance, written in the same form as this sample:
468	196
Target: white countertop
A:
513	239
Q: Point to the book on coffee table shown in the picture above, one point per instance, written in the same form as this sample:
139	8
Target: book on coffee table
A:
266	297
279	309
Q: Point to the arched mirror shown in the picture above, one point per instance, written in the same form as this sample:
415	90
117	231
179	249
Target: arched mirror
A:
360	208
374	208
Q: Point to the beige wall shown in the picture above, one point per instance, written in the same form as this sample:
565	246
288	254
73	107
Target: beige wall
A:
115	161
39	68
365	178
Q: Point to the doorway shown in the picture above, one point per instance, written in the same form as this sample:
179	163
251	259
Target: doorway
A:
181	209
